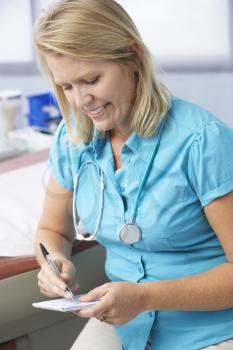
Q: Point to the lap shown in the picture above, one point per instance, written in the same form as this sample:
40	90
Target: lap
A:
102	336
97	335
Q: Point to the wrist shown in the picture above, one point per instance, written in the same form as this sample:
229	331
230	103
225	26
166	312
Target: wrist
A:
144	296
60	256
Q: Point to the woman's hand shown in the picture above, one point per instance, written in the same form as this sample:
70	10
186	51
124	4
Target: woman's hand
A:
50	284
120	302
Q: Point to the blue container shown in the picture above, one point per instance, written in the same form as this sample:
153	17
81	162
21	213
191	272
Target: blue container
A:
44	112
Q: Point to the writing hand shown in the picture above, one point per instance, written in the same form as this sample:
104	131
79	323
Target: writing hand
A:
50	284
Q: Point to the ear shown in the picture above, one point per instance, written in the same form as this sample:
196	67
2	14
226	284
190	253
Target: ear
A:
135	48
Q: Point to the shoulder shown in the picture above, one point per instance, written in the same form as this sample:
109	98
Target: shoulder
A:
60	137
190	116
62	141
64	157
190	126
64	153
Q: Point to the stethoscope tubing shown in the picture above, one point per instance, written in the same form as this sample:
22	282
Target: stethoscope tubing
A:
80	236
147	172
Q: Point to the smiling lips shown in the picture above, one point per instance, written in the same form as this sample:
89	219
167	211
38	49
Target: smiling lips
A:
95	112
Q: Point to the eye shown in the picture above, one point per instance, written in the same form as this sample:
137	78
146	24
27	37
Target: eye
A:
91	82
67	88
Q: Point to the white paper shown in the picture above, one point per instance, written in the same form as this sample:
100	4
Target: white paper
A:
64	305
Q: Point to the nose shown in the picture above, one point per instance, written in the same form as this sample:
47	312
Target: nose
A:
82	98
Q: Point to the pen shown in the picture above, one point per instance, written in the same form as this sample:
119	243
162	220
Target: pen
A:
54	267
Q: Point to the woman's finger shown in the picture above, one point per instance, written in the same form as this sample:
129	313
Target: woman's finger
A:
74	287
67	270
48	276
51	289
95	294
47	283
98	309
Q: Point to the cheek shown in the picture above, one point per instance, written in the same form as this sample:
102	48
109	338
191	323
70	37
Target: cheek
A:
120	96
132	89
70	98
127	91
126	98
116	89
106	92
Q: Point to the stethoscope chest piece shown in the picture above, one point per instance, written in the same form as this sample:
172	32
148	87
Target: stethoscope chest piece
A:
130	233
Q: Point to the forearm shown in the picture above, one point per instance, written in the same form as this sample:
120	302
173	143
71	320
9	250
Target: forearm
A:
57	244
211	290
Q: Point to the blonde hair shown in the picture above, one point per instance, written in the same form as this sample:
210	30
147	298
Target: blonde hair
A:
100	30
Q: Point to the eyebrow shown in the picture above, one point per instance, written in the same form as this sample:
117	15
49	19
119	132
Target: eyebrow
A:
79	79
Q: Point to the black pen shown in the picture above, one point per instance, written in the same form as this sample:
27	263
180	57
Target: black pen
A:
54	267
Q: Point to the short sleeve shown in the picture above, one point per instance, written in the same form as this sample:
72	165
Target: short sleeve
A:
210	167
59	161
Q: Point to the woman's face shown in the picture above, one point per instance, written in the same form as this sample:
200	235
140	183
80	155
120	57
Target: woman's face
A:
103	90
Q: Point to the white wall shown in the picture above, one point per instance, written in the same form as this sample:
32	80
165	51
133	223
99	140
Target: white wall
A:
28	84
213	91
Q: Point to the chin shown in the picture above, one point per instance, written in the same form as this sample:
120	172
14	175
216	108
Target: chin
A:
103	127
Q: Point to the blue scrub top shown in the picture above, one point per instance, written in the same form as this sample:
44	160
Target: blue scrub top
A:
193	166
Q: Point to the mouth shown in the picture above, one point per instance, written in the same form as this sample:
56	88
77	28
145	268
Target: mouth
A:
94	113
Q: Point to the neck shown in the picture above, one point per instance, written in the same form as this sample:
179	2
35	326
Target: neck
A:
121	135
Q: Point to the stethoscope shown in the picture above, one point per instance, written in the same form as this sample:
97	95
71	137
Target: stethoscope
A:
129	233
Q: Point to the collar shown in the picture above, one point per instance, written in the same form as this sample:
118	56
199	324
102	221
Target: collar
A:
142	146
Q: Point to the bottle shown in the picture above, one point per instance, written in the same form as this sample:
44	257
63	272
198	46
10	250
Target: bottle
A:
10	111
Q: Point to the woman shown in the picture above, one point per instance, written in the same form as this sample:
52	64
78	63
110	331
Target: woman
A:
168	173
